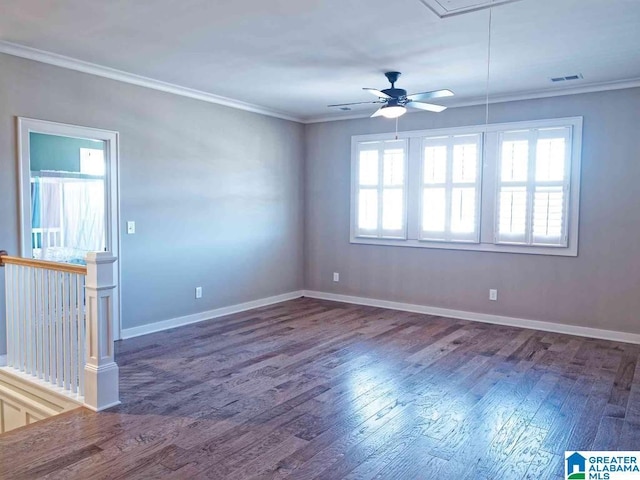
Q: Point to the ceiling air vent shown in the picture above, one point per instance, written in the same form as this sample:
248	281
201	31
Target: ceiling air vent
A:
577	76
448	8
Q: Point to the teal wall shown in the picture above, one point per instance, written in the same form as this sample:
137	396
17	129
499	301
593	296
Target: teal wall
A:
53	152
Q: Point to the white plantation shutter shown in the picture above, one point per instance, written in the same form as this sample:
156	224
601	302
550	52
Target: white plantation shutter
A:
451	188
533	186
504	187
381	189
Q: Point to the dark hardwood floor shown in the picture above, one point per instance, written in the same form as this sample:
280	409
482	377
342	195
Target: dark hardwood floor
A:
314	389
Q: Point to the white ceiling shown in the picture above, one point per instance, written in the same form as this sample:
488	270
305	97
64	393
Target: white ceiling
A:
297	56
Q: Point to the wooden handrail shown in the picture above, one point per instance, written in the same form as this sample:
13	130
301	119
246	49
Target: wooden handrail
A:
44	264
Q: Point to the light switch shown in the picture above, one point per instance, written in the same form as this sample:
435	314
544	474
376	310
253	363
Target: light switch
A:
131	227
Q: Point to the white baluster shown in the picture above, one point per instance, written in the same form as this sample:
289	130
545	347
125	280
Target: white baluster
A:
33	322
82	327
73	317
9	289
23	321
67	329
47	326
58	321
37	323
52	327
18	319
43	333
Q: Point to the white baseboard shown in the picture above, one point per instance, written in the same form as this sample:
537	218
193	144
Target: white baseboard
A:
3	360
211	314
482	317
372	302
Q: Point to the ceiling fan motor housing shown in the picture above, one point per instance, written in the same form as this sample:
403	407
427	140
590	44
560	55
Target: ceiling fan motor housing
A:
395	92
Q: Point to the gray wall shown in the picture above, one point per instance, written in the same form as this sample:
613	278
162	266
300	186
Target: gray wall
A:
216	192
223	200
600	288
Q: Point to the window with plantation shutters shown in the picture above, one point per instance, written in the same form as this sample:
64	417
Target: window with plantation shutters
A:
533	186
451	187
381	187
510	187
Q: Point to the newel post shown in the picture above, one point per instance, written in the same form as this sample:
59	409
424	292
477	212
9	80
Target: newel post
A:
100	371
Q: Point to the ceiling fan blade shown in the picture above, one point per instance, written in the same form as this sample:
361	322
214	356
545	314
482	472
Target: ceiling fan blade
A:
419	97
377	92
429	107
347	104
377	113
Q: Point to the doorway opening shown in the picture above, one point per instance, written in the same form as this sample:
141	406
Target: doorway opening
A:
69	194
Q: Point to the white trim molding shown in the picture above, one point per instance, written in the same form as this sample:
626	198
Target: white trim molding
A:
114	74
208	315
481	317
371	302
512	97
71	63
3	360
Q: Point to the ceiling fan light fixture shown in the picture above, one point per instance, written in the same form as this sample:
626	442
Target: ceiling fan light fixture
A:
393	111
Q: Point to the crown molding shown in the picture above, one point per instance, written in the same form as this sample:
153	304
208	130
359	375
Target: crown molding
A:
527	95
94	69
70	63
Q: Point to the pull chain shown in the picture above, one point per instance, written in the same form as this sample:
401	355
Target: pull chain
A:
396	128
486	120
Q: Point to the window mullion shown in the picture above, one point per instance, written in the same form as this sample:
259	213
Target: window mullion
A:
496	143
448	190
478	186
413	181
531	184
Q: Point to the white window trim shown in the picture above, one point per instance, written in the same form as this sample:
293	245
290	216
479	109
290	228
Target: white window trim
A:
488	188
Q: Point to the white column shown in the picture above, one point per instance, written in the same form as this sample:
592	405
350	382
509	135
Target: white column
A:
100	371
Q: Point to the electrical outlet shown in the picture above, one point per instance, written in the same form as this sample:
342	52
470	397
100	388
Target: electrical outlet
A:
198	292
131	227
336	277
493	295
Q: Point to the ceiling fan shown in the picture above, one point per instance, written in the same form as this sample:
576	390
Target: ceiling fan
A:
395	101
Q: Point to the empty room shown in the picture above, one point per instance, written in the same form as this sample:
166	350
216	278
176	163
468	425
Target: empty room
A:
320	239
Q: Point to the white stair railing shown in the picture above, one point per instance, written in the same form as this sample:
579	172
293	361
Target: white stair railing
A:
59	326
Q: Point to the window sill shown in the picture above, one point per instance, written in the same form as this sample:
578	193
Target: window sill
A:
570	251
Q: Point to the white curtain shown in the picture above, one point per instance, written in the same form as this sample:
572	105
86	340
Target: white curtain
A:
72	218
